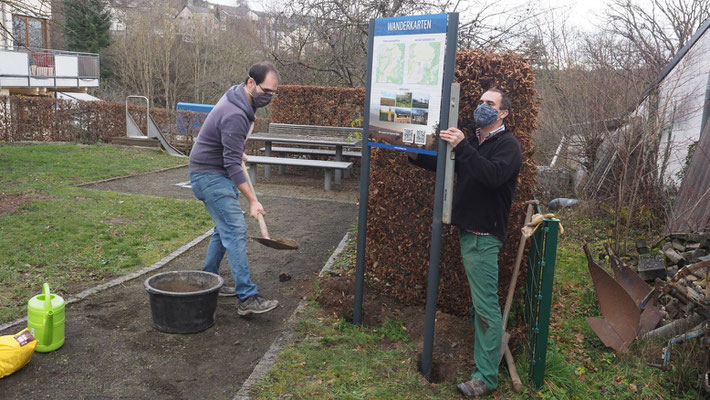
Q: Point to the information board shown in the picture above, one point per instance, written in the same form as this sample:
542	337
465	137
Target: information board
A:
407	70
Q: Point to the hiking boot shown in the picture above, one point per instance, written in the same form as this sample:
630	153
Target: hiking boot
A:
474	388
256	305
227	291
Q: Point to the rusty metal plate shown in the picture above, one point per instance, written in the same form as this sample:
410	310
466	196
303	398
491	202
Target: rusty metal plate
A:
632	283
607	334
618	308
650	317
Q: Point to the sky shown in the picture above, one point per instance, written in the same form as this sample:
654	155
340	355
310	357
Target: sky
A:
584	14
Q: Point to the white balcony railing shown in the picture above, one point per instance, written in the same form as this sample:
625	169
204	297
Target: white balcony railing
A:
44	68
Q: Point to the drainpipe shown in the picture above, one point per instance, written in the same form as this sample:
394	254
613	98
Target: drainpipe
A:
559	150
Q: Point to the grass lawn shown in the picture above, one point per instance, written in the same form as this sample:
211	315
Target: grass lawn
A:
73	237
335	360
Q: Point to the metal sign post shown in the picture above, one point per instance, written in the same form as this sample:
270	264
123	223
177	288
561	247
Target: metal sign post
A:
436	228
450	156
364	192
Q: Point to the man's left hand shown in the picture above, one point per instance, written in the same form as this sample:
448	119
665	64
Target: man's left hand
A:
453	136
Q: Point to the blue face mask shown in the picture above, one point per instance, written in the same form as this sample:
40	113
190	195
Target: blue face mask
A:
485	115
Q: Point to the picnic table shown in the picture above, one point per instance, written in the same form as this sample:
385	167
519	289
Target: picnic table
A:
338	143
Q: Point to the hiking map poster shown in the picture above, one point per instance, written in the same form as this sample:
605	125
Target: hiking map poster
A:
407	70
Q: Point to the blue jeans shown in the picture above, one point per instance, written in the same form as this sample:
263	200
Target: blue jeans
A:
221	197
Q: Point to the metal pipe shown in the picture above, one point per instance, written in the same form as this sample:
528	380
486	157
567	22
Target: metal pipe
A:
673	328
557	152
364	189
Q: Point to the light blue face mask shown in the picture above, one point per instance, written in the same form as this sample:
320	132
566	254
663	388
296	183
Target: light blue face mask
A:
485	115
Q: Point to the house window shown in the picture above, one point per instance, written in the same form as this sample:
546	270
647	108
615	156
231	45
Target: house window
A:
30	32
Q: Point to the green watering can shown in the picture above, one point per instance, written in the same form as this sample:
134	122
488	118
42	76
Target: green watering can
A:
45	318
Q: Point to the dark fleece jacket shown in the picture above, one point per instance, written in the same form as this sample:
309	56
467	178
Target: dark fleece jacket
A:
220	144
486	177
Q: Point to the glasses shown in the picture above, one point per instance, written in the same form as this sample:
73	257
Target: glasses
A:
271	92
268	91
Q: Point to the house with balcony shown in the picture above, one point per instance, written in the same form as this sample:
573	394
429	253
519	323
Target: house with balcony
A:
28	64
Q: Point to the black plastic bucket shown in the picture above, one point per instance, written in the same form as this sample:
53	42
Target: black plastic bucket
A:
183	301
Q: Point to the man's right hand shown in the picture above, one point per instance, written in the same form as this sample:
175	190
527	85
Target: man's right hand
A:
255	208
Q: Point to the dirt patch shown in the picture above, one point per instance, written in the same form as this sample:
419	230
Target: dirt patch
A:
112	349
9	203
453	337
295	183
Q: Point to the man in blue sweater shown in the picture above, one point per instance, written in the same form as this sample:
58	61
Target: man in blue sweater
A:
217	177
487	166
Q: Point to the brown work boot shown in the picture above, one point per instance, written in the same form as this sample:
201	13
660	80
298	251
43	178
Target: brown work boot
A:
474	388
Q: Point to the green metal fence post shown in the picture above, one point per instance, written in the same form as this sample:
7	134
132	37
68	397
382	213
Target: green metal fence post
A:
550	230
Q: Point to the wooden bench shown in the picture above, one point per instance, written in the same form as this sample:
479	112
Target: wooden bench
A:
311	152
328	166
314	152
316	132
311	135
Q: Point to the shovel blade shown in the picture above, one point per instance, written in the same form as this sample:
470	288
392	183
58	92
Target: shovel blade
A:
278	244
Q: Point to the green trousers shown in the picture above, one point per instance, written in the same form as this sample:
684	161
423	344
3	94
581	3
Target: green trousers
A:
480	260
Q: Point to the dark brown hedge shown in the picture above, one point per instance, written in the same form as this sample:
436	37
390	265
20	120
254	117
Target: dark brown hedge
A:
401	196
318	105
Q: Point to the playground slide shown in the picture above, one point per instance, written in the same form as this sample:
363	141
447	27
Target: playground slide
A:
133	131
154	132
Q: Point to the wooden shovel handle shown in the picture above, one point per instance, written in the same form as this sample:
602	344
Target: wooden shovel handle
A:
517	383
262	226
516	268
259	217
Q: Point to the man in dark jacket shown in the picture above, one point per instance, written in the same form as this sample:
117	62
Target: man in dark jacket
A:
217	177
487	166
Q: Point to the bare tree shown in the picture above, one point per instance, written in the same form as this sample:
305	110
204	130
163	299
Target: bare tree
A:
657	29
168	60
325	42
600	92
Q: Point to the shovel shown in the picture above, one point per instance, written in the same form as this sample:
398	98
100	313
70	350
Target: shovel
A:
278	244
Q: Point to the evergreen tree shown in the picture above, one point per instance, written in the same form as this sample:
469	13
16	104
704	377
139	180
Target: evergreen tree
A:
87	25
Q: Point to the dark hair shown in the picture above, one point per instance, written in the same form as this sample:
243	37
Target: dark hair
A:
259	71
505	100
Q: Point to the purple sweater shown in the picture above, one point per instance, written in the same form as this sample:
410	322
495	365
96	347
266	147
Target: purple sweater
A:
220	144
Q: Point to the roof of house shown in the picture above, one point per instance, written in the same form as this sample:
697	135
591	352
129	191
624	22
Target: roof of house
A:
675	60
198	9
